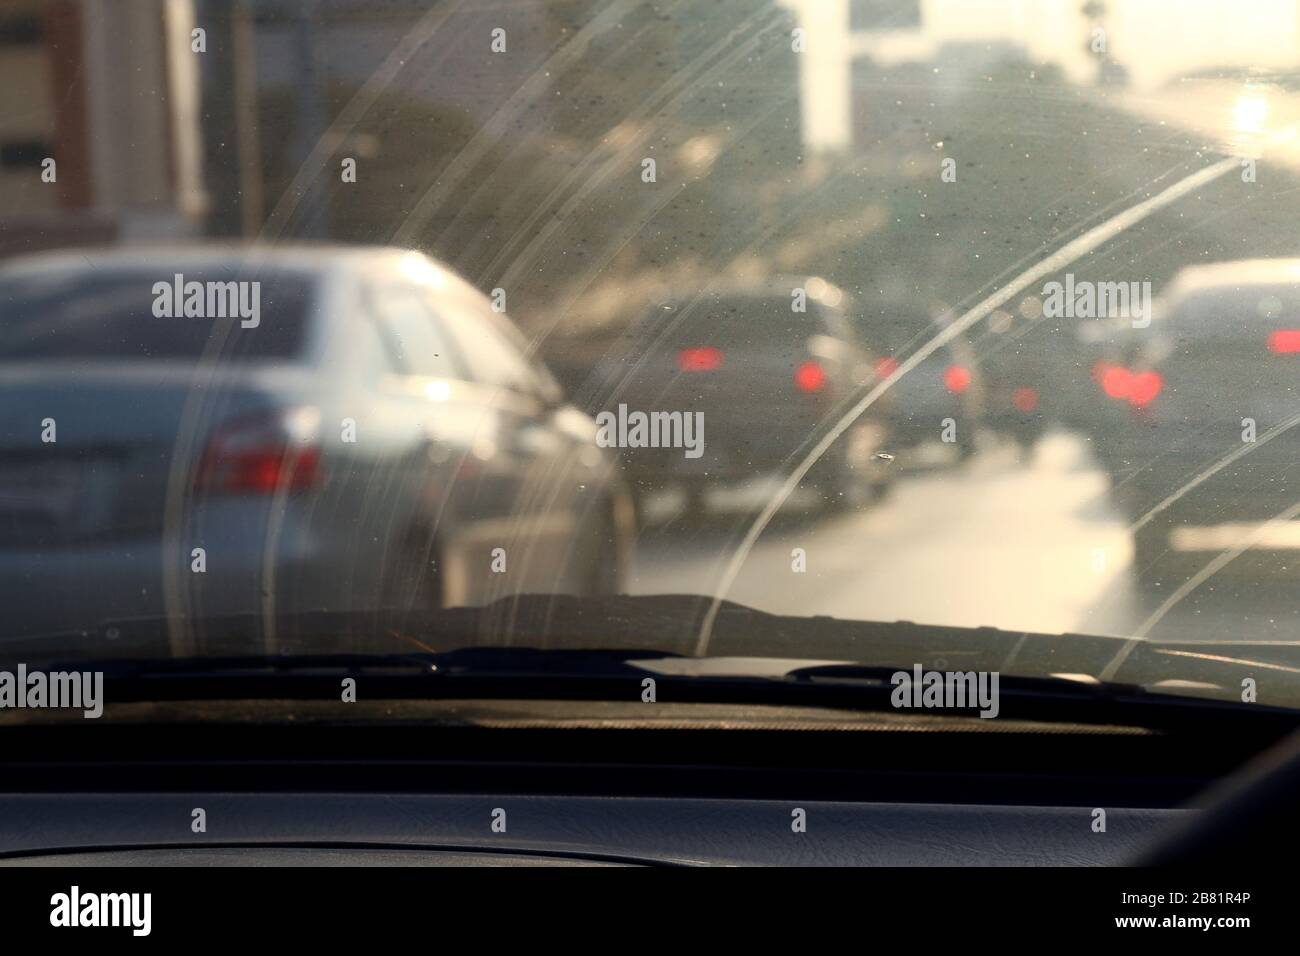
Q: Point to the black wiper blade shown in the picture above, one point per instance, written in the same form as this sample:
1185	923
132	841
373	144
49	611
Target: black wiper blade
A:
600	648
468	661
247	666
511	673
1075	698
489	671
1020	689
1075	684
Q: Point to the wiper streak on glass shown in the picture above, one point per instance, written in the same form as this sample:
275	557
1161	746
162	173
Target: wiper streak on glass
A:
1220	561
1069	253
1215	468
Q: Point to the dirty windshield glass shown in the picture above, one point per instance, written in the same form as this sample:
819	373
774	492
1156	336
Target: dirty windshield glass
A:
614	317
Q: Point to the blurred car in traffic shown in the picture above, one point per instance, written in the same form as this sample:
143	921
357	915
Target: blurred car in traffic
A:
941	399
368	435
771	366
1019	392
1112	395
1211	392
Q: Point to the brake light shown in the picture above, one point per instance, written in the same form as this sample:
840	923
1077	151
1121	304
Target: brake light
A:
1144	387
1024	399
699	360
809	377
1284	342
956	379
1116	382
886	367
263	453
1139	389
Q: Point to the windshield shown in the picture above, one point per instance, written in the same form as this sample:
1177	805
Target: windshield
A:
824	308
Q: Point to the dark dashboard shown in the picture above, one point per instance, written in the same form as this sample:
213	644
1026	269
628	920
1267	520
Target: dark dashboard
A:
471	782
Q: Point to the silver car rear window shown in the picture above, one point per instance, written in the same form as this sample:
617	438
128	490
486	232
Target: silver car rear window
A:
155	314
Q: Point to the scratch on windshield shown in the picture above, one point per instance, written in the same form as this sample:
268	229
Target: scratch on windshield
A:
1073	250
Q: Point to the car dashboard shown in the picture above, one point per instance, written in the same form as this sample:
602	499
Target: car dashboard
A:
470	783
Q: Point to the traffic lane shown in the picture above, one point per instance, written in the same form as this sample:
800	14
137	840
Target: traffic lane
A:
1033	544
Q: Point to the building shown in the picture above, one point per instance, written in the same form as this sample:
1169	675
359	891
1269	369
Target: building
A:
108	91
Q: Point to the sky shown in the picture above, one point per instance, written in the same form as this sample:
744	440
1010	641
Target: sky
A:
1156	41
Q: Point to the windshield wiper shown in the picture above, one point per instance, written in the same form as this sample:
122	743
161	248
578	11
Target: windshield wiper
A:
510	673
563	647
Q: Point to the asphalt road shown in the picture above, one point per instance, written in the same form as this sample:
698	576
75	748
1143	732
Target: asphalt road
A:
1033	544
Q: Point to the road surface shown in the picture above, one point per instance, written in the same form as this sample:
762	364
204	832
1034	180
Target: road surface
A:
1027	545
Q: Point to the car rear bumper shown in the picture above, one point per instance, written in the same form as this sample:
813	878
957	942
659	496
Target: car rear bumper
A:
1187	514
81	587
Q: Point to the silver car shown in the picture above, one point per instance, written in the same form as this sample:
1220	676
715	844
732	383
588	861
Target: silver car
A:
221	430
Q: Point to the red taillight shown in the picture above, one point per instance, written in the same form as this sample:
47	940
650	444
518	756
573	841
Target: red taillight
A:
1116	382
956	379
886	367
263	454
1139	389
1284	342
809	377
1024	399
1143	388
699	360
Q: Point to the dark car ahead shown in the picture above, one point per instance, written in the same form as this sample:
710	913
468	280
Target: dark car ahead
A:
1209	452
770	367
942	398
1022	391
360	431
